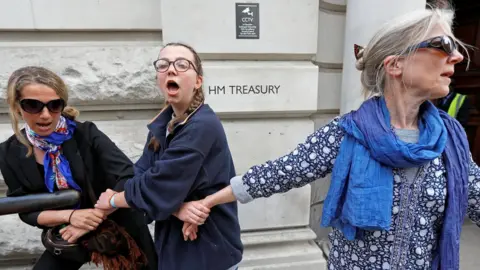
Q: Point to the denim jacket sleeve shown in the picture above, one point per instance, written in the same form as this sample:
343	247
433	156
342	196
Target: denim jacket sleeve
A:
309	161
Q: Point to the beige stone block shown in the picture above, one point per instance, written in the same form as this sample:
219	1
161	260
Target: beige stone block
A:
329	89
259	88
285	26
96	15
94	75
286	249
331	34
253	142
16	15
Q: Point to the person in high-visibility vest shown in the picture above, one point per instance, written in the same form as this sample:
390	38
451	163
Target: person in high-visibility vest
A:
456	105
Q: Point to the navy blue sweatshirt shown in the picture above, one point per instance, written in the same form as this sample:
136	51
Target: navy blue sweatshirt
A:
194	161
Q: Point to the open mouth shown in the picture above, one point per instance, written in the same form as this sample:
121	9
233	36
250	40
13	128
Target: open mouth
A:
172	87
44	125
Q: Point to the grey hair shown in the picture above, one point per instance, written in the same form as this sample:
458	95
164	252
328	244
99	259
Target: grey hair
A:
395	38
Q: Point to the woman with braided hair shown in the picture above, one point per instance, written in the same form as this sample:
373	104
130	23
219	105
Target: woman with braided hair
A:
186	158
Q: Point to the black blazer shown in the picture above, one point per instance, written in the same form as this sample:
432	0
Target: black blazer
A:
92	157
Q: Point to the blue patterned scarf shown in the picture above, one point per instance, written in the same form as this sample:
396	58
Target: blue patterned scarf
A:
57	169
361	192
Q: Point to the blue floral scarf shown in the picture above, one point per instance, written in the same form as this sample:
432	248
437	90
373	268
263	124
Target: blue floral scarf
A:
57	169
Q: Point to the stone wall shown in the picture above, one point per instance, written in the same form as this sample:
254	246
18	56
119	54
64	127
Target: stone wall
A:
106	59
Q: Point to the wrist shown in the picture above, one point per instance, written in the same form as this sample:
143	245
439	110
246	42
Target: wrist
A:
209	201
67	217
112	201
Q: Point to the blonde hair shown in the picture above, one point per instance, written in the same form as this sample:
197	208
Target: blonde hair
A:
396	38
34	75
197	100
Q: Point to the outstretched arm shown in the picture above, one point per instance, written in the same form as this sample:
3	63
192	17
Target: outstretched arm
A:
310	160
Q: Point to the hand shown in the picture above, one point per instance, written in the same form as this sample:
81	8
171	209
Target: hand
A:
189	231
104	200
194	212
87	219
72	233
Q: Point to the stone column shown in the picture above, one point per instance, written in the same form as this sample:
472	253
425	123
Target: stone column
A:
329	57
363	19
262	84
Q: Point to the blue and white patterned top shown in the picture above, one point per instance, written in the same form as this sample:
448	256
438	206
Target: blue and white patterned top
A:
417	211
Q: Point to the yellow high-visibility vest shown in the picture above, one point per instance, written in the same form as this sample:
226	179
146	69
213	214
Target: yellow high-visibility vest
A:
456	105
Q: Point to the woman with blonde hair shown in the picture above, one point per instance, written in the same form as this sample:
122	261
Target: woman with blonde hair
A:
402	174
55	152
186	158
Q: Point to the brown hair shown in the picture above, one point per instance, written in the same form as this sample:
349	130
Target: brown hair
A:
34	75
197	100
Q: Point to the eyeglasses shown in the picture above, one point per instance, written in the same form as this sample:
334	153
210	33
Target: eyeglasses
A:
443	43
180	65
36	106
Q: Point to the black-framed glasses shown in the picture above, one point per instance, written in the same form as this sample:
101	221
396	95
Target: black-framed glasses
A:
180	65
36	106
443	43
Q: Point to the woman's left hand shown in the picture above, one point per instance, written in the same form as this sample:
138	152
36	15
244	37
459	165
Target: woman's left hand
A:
72	234
104	200
189	231
194	212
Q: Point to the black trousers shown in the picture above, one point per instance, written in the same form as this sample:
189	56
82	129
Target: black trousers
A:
49	262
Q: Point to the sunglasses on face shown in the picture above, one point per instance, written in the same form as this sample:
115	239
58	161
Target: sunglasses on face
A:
443	43
36	106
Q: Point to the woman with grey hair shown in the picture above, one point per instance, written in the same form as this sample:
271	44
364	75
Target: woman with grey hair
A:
402	174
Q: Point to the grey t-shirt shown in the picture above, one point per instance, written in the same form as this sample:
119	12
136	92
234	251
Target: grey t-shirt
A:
409	136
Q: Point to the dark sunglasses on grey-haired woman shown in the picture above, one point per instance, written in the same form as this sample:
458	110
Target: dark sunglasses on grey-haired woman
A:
442	43
34	106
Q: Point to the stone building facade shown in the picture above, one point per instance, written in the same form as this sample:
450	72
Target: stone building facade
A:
298	54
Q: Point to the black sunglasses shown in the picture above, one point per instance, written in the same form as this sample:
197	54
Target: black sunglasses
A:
180	65
443	43
36	106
